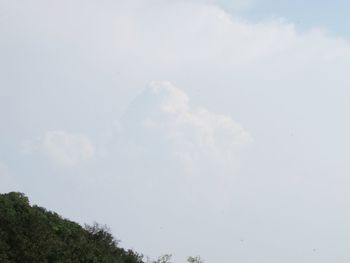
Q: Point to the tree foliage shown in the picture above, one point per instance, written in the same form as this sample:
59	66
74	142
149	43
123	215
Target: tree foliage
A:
32	234
195	260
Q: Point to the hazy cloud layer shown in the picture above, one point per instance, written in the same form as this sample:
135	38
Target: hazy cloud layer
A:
168	161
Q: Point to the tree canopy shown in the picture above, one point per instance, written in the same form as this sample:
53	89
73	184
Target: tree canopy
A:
33	234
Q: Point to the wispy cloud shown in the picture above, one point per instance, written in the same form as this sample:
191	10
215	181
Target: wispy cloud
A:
61	147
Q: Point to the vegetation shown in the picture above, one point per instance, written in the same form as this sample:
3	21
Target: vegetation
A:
167	259
31	234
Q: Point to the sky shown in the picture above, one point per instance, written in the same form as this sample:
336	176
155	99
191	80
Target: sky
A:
211	128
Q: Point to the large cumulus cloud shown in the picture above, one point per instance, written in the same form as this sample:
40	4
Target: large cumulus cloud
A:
161	122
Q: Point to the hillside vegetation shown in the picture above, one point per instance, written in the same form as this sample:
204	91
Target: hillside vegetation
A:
33	234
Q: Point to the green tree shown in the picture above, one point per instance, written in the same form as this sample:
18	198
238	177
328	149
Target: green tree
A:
32	234
196	259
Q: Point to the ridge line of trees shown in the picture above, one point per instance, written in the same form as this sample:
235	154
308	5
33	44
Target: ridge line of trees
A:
32	234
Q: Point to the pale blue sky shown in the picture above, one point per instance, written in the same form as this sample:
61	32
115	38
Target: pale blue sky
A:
330	15
185	127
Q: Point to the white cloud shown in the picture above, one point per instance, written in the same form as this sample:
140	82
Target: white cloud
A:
61	147
161	121
173	38
236	5
192	131
66	148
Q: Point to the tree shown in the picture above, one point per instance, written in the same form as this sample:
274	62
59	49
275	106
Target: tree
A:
33	234
164	259
196	259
